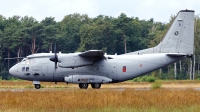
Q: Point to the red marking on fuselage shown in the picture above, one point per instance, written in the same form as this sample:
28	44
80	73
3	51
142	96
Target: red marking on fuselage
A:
124	68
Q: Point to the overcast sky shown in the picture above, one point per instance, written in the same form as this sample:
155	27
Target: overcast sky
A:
160	10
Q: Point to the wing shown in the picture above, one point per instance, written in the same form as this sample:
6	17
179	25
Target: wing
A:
86	58
92	53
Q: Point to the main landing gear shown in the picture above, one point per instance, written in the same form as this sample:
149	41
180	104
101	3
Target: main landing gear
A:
96	85
85	85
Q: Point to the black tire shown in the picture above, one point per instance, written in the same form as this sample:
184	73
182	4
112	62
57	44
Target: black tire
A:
96	85
37	86
83	85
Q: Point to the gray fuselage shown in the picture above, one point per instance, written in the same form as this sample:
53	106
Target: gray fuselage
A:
118	68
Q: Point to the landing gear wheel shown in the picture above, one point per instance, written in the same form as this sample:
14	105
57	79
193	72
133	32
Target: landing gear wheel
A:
83	85
96	85
37	86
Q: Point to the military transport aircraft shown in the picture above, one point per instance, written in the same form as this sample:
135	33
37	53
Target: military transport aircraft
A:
95	67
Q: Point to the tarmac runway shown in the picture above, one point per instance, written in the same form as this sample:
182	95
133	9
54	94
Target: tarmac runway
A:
19	86
70	89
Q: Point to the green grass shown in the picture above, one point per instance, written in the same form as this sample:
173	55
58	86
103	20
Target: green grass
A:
156	85
62	99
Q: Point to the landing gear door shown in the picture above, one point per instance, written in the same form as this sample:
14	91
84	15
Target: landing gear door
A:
113	71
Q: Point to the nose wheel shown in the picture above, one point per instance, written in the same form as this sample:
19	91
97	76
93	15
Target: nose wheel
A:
37	86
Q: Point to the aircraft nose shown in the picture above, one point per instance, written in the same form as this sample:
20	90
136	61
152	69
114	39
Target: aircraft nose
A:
12	71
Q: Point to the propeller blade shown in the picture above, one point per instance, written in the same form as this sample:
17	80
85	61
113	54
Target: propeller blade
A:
54	73
55	57
56	64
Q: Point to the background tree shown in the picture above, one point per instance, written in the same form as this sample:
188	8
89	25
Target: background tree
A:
49	34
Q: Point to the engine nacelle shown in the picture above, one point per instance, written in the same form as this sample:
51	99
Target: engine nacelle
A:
74	60
87	79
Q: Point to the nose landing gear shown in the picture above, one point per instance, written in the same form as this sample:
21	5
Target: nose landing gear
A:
37	86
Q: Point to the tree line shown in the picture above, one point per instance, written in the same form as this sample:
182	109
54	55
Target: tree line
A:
22	36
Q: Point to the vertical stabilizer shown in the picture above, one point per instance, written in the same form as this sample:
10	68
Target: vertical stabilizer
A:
178	39
180	36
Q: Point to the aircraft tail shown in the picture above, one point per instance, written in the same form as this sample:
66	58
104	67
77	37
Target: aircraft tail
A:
178	39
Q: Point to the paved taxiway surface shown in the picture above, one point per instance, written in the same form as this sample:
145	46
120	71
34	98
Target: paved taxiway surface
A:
17	86
68	89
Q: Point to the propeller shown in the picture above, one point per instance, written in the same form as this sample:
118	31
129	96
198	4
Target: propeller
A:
55	57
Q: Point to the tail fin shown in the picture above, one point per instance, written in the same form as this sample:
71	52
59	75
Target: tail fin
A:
179	38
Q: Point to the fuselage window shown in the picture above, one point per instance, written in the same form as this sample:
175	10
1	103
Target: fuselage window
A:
27	69
23	68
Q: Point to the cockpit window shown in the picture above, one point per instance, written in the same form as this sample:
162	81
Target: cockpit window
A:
23	62
27	62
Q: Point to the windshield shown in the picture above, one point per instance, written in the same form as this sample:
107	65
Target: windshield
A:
25	61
